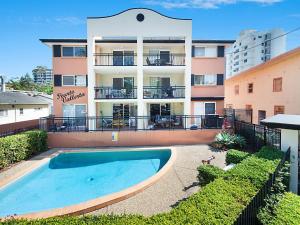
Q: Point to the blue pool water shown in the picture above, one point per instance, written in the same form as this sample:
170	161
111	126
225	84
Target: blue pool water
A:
72	178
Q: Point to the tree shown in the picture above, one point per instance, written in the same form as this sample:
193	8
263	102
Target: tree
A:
25	83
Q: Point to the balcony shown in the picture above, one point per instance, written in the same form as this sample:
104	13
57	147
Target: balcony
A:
112	93
155	92
115	59
164	59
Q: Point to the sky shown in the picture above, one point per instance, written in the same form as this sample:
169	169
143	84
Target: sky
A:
24	22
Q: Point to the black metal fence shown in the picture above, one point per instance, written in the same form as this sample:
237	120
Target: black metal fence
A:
124	123
258	135
12	131
164	92
115	59
249	214
164	59
244	115
113	93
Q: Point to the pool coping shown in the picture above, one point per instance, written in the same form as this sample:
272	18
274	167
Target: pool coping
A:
97	203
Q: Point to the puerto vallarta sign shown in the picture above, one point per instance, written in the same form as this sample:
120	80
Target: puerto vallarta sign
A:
69	96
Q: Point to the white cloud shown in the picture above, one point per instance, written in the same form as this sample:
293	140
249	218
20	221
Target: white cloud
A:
204	4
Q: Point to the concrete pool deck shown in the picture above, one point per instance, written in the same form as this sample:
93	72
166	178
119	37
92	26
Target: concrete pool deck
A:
177	184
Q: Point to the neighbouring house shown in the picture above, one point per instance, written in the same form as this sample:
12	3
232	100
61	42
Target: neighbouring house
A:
149	68
18	106
268	89
252	48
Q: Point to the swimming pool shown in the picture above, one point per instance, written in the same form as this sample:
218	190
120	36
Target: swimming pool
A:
76	177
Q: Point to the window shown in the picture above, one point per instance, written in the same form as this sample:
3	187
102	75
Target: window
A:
261	115
74	80
245	60
80	80
277	84
199	51
236	89
69	80
3	112
278	109
210	108
21	111
70	51
205	79
248	107
250	88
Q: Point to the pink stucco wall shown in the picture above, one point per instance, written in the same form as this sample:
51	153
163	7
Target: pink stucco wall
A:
69	66
203	65
286	66
131	138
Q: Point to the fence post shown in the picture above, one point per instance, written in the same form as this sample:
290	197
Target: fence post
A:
265	135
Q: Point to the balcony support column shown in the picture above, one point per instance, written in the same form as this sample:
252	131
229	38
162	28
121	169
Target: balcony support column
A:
140	80
91	82
187	78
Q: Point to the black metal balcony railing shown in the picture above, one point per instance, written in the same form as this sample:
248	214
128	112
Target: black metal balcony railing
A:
123	123
110	59
164	92
169	59
111	93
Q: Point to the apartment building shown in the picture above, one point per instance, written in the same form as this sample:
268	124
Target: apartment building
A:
138	64
42	76
252	48
268	89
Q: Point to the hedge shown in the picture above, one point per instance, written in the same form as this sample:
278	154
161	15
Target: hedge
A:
21	146
287	211
219	202
235	156
208	173
257	167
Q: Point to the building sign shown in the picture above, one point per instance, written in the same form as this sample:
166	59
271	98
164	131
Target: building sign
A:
69	96
114	136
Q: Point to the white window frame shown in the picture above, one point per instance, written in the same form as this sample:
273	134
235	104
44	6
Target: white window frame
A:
68	85
210	103
203	51
74	105
214	84
71	46
5	113
75	81
21	114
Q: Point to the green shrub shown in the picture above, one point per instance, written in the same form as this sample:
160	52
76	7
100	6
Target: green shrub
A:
235	156
287	211
21	146
257	167
208	173
225	140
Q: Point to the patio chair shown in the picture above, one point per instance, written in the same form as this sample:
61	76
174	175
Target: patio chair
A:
149	63
107	123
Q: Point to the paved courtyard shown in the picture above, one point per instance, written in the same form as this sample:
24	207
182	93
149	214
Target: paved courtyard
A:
179	183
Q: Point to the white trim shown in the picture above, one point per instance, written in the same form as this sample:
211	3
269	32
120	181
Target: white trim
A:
215	107
72	46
